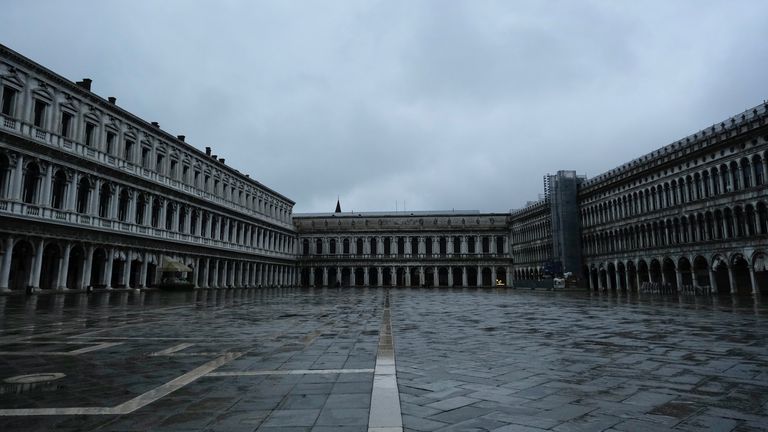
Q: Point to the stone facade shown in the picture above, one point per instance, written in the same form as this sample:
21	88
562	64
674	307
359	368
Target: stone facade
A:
690	216
91	195
404	249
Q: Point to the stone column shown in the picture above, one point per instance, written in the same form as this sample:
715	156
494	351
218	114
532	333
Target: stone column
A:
449	246
63	267
626	280
205	271
392	276
493	276
131	216
247	275
37	265
422	279
712	281
108	269
753	280
479	273
450	276
143	273
6	268
679	279
436	278
187	219
126	280
380	279
732	280
325	276
71	192
407	276
47	183
366	277
88	266
215	280
18	179
464	278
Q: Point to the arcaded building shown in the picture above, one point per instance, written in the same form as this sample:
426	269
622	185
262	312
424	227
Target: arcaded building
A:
688	216
419	249
93	196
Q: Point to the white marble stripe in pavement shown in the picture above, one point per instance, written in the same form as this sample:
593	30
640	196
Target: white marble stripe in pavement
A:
385	415
135	403
61	353
290	372
172	349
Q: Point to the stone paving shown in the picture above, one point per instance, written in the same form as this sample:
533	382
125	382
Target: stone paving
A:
303	360
501	361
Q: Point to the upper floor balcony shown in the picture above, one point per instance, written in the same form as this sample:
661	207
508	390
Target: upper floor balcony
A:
71	146
74	219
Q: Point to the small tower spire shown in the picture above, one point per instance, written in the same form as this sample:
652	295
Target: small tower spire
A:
338	205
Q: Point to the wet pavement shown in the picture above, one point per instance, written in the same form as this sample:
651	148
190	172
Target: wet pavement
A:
305	360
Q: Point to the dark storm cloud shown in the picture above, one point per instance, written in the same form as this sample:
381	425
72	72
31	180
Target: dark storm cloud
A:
443	104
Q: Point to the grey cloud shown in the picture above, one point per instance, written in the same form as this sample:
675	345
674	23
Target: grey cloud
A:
459	104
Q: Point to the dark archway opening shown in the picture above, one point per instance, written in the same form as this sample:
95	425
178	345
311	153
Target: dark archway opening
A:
49	272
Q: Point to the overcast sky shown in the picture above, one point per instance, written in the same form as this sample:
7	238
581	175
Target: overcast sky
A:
441	104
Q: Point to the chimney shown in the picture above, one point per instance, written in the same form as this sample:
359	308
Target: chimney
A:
222	160
112	100
181	137
207	151
85	83
214	156
156	124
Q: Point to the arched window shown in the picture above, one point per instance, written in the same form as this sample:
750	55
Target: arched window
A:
746	173
193	222
105	198
122	205
757	164
5	174
735	180
31	183
141	207
705	184
59	190
204	225
157	207
182	219
169	209
83	193
716	190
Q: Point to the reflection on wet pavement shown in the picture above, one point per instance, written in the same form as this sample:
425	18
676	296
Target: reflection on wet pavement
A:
466	359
